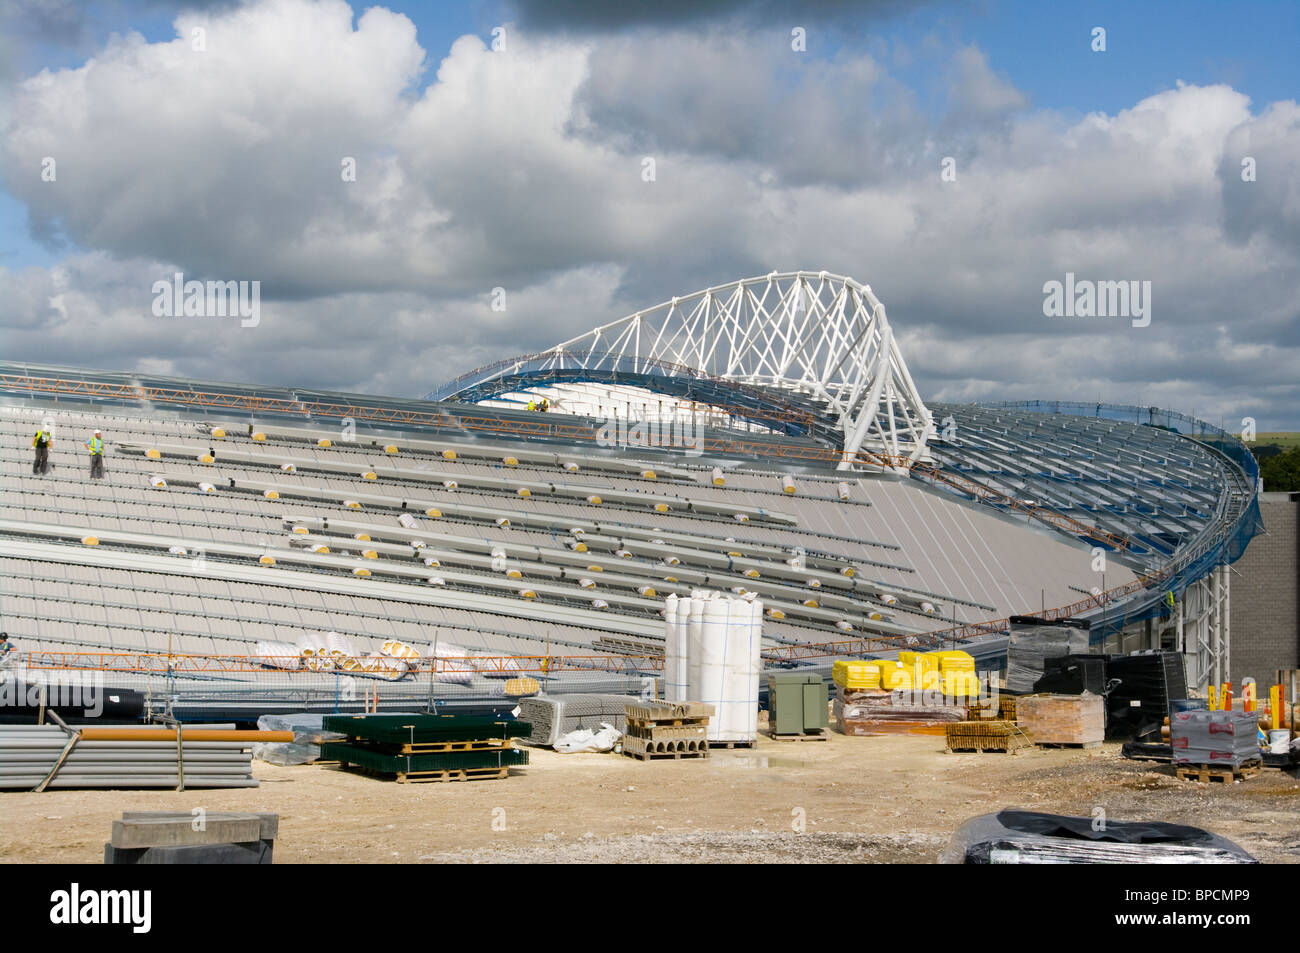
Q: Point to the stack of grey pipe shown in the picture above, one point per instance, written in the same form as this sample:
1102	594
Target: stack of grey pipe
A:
553	717
1228	738
28	752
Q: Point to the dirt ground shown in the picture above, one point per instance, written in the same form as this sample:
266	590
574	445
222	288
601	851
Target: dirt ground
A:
880	799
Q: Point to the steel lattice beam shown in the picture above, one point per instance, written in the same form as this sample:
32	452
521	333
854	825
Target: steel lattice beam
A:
819	335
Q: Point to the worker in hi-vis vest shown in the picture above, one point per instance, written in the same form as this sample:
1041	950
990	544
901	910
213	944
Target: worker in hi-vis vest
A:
42	442
532	404
96	447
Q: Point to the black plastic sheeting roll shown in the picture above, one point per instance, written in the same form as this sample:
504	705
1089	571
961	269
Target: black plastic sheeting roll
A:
1028	837
98	705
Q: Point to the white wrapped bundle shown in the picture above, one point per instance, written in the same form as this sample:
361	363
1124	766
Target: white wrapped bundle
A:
340	646
311	644
399	650
384	666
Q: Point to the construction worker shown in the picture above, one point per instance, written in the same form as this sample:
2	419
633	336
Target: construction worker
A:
96	447
42	442
546	405
532	404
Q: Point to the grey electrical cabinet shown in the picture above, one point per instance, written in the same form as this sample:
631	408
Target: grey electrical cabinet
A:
796	703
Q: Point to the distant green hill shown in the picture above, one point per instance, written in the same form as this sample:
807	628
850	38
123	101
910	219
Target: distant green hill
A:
1283	440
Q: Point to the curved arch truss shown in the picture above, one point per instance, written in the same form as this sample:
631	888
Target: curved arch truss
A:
823	337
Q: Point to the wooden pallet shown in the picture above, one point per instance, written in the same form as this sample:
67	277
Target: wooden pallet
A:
1206	773
417	777
1007	745
821	734
732	744
647	750
437	747
1068	744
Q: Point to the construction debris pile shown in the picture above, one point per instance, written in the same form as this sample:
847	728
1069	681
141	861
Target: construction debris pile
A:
410	748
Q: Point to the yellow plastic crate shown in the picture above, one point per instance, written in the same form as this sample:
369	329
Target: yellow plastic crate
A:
856	673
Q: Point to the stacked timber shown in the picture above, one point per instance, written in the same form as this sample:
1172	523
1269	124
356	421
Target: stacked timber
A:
411	748
986	735
1063	719
37	757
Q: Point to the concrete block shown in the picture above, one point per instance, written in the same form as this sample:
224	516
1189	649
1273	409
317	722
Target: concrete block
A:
254	852
270	823
180	832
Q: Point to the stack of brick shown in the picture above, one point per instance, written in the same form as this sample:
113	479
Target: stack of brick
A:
1063	719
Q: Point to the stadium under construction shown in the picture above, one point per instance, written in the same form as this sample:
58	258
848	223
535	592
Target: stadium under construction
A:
252	549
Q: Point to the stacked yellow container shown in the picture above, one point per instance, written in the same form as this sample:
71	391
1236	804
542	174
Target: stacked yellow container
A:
957	673
895	675
856	674
924	669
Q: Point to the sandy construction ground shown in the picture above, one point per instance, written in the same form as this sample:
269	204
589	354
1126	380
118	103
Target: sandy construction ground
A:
883	799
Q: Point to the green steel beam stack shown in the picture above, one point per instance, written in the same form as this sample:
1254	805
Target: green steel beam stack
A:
427	747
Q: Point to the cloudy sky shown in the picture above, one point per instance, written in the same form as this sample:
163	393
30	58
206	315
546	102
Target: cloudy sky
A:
211	138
